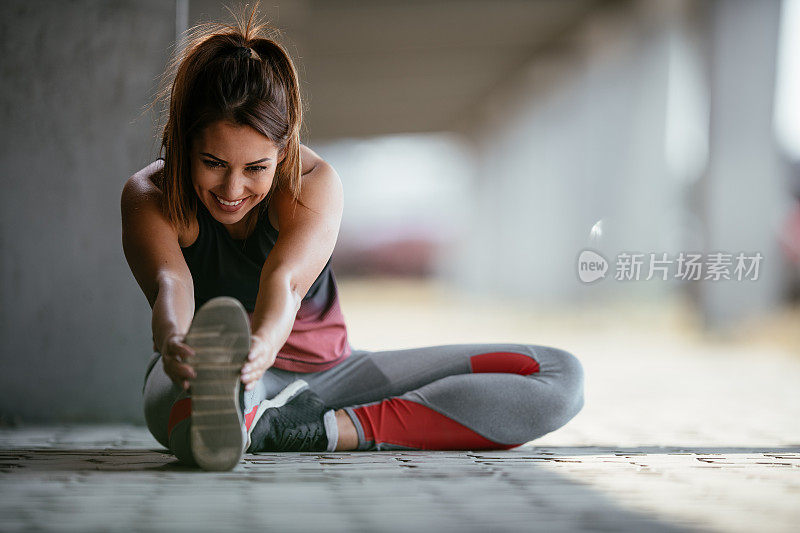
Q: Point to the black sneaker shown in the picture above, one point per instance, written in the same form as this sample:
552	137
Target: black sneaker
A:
290	422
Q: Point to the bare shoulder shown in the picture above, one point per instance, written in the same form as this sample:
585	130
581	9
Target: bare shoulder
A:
320	191
143	189
144	184
309	159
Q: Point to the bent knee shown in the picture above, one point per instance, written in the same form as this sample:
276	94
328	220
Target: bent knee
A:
561	362
572	384
568	373
572	367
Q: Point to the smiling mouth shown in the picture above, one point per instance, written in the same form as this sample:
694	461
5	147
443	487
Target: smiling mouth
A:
228	202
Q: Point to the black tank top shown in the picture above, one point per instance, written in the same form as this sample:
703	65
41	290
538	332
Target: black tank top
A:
224	266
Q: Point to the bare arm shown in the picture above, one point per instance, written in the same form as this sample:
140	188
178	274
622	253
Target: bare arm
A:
173	311
306	239
153	253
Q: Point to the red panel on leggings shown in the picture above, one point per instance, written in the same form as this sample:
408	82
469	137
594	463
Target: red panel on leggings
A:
181	410
410	424
506	362
248	418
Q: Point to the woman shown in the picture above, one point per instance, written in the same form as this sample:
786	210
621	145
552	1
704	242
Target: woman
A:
240	217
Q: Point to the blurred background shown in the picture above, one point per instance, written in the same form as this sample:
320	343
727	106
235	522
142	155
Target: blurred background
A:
482	145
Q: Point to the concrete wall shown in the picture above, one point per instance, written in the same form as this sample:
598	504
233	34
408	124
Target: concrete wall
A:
74	326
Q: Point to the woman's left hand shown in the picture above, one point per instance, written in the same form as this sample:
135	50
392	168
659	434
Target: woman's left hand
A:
260	358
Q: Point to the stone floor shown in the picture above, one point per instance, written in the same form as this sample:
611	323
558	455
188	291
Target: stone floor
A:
680	432
112	478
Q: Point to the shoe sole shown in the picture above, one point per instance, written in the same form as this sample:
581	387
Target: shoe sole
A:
220	338
289	392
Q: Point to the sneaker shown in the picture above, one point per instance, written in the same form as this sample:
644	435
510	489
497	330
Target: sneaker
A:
290	422
220	338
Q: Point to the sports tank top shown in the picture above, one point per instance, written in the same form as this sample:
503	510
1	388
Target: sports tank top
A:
224	266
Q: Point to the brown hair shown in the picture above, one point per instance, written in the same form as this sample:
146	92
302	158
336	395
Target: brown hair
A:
237	73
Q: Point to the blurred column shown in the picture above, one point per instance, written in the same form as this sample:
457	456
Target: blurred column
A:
743	192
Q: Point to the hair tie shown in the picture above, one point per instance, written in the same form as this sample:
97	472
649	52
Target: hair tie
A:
244	51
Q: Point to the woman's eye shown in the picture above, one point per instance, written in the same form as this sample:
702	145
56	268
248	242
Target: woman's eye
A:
211	163
257	168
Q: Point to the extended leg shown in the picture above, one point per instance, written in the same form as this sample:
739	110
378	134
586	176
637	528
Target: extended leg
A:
168	408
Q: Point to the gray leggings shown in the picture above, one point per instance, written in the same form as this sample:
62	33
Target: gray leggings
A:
455	396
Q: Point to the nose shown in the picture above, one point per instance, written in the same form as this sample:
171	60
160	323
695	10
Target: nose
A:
233	187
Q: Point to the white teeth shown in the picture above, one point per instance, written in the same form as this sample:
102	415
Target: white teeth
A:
223	202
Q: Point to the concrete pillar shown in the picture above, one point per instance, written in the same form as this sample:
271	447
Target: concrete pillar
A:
744	188
74	325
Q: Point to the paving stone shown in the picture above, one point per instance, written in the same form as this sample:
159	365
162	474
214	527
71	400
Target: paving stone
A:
86	479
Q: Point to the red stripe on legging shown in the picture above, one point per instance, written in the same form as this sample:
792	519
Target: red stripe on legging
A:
181	410
410	424
506	362
248	418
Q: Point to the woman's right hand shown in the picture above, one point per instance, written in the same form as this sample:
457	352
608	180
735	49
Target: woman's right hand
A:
175	355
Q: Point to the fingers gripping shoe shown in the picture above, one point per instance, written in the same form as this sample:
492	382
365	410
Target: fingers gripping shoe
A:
290	422
220	338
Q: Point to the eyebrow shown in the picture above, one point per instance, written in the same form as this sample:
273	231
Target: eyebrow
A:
223	161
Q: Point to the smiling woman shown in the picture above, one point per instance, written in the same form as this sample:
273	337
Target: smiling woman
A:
223	90
232	170
230	237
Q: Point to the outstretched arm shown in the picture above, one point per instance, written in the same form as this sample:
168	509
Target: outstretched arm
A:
151	246
306	239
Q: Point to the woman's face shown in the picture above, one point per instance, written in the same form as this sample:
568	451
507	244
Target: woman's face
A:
232	169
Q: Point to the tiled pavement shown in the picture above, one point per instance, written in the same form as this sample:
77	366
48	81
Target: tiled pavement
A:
111	478
678	434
